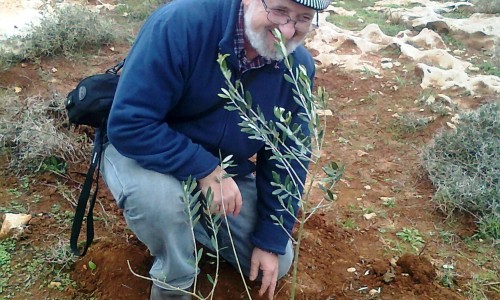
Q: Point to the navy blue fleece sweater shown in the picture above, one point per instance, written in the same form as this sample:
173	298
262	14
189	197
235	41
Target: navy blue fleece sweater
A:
171	77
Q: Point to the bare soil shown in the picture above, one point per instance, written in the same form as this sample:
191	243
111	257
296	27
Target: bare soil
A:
380	161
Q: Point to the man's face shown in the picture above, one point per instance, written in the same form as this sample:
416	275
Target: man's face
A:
258	28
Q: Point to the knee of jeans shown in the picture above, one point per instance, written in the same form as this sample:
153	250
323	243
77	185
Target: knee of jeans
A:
156	199
285	262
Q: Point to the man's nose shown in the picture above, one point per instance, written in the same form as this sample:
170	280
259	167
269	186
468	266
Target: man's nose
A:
288	30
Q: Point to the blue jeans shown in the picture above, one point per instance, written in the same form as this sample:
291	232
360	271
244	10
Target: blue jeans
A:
155	211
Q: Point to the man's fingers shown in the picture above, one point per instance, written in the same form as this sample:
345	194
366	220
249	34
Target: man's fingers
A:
254	269
272	286
238	205
267	279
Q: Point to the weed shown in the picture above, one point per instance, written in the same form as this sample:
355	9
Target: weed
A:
349	224
7	247
54	164
138	10
448	237
464	166
364	16
32	132
457	14
447	278
480	285
368	72
489	68
389	202
451	41
412	236
68	30
411	123
400	82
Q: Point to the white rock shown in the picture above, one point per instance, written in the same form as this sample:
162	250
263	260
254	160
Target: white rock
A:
369	216
351	270
13	224
325	112
387	65
430	100
444	98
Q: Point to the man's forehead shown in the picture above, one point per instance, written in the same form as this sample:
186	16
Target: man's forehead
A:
312	4
290	4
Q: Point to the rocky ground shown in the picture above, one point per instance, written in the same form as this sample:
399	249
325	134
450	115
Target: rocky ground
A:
382	239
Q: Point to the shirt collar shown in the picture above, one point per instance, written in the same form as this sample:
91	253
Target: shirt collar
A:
239	47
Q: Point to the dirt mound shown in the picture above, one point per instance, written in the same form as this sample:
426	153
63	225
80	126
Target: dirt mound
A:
418	267
112	279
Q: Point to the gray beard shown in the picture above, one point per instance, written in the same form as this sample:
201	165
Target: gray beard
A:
258	40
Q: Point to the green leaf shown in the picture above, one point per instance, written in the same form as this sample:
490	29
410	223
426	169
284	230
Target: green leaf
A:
92	265
199	255
210	279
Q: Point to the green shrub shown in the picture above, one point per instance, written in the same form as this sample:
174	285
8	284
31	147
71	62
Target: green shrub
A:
464	166
67	30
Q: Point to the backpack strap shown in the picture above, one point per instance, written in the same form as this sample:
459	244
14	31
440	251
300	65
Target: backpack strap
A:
83	199
115	69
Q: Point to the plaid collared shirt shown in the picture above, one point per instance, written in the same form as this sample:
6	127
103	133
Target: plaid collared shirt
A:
239	47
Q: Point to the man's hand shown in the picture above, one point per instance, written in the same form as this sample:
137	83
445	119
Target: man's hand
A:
226	194
267	263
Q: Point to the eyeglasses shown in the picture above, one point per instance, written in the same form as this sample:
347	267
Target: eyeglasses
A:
280	16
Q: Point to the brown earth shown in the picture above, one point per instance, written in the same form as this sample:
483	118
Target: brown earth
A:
380	161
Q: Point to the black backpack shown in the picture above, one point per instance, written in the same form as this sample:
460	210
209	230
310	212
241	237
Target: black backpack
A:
89	104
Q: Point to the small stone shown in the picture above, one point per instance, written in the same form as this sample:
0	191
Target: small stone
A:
444	98
369	216
430	100
389	110
361	153
325	112
455	119
373	292
389	276
17	89
474	69
421	110
451	125
53	70
54	284
351	270
387	65
367	187
393	262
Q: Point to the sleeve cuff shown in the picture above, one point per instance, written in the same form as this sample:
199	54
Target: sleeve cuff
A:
270	237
